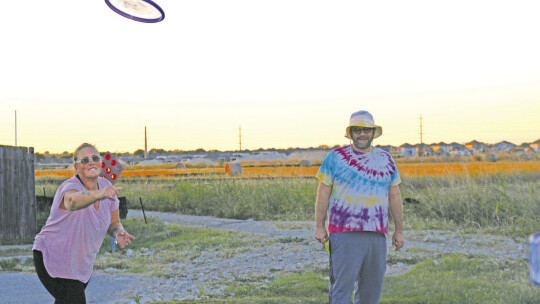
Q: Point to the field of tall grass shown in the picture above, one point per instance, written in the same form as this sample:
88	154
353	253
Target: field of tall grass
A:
406	167
499	202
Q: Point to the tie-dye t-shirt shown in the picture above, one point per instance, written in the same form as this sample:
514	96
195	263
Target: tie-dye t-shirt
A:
360	184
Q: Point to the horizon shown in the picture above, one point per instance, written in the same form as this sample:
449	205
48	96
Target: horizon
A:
288	148
345	142
289	74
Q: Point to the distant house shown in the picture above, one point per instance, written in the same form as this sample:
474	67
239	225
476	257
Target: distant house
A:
458	149
154	161
477	147
238	156
259	156
199	160
408	150
535	146
504	146
317	155
424	150
441	148
524	147
394	151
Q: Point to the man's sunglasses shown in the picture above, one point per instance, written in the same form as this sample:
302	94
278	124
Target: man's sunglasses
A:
358	130
86	160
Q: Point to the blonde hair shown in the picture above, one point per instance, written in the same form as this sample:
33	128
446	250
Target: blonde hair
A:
79	148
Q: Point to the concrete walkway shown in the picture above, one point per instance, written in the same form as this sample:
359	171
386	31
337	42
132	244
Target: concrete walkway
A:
26	288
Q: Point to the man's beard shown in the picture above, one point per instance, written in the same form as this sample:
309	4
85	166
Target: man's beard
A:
362	145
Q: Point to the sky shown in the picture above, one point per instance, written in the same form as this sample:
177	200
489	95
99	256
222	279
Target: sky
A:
289	73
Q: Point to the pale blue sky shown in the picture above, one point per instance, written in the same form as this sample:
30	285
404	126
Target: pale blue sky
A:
289	72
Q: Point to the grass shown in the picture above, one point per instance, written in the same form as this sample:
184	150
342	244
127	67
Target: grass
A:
462	279
406	167
444	279
259	199
492	203
14	252
452	279
17	264
501	204
171	243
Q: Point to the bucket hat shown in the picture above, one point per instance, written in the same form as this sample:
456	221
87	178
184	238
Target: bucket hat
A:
363	119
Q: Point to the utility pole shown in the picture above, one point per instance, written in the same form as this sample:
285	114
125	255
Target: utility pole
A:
240	136
145	144
421	129
15	128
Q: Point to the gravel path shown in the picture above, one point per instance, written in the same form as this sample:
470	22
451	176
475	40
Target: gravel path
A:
187	279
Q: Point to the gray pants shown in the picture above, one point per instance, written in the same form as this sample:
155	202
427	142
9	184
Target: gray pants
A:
357	263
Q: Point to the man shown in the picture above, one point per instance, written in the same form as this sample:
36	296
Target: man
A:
358	185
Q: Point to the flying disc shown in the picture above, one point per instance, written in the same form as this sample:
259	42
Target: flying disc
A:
138	10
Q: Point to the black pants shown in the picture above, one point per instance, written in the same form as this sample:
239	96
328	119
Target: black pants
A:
64	291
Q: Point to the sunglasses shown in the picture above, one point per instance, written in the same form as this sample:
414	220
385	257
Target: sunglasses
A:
86	160
359	130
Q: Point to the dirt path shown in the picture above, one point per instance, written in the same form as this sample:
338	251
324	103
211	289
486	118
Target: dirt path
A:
432	241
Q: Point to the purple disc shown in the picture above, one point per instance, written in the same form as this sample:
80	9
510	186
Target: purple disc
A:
138	10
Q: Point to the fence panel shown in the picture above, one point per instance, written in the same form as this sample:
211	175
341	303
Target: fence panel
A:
17	193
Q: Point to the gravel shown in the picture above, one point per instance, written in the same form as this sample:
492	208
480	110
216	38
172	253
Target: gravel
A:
294	249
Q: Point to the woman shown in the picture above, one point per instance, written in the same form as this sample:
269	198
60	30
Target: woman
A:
84	209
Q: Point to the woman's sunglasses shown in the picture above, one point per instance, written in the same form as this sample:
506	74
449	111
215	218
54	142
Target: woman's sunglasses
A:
86	160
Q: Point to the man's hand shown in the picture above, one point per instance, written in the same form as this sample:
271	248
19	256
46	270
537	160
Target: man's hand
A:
398	240
321	208
321	235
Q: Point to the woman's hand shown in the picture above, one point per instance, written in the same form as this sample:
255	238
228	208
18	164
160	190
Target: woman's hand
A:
109	192
123	238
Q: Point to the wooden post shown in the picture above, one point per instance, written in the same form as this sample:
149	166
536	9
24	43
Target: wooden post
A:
142	208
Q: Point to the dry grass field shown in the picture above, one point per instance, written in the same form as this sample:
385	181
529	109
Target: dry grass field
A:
269	169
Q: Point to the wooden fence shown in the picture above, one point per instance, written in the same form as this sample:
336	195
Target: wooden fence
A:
17	193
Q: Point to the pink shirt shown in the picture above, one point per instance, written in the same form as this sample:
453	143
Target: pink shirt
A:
70	240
